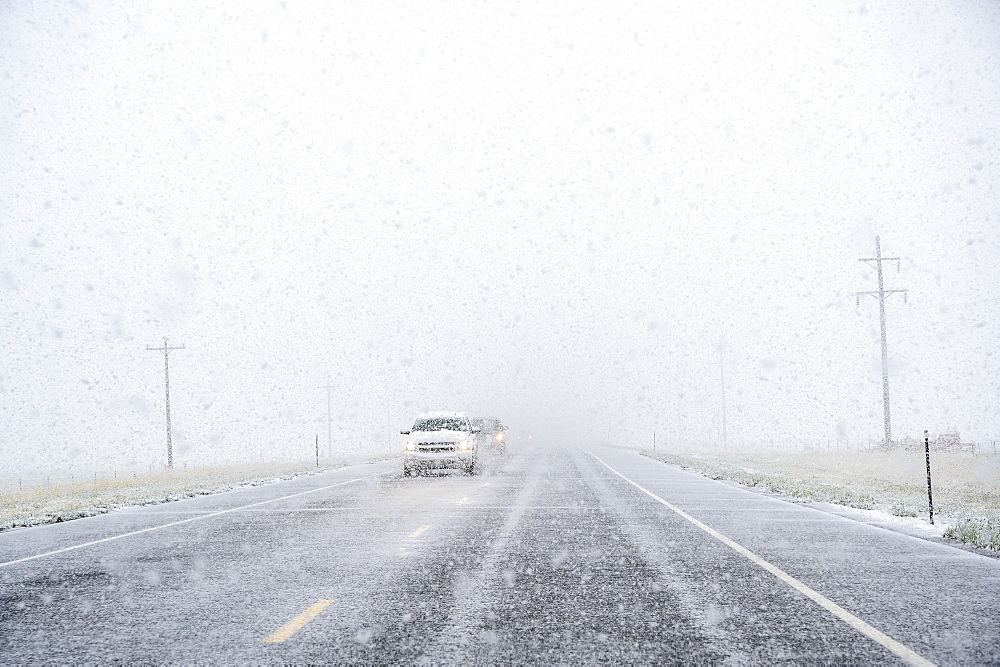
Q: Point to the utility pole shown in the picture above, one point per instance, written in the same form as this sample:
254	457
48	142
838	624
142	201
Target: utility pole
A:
329	428
166	380
881	294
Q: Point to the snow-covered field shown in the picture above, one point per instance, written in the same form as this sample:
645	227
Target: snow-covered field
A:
97	495
966	487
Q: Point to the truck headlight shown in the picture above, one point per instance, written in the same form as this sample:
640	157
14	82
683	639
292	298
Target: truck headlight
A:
410	446
464	445
499	437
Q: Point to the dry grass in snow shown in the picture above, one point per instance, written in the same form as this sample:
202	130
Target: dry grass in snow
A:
966	486
73	500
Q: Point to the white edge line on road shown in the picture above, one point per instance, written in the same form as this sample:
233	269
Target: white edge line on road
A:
177	523
899	649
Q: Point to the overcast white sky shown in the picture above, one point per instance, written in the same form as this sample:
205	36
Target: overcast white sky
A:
550	214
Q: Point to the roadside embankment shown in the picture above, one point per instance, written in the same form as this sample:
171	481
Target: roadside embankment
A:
52	503
966	487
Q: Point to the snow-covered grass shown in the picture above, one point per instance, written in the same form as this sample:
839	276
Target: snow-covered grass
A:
73	500
966	487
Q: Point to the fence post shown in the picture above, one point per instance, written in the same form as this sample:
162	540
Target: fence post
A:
927	456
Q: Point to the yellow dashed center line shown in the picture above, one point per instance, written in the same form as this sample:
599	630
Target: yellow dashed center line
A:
298	622
420	531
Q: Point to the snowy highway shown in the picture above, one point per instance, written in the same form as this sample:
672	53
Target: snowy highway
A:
552	554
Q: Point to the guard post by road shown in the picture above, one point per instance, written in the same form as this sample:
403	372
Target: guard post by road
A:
927	457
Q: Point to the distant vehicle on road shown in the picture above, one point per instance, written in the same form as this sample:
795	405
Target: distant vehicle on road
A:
441	440
492	432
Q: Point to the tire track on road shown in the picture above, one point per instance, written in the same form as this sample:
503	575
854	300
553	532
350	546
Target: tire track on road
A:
472	596
902	651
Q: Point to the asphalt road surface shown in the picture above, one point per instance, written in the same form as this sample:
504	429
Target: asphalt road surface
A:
551	555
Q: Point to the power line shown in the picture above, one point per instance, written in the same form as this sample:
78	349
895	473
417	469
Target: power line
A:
166	377
57	329
952	306
984	227
881	294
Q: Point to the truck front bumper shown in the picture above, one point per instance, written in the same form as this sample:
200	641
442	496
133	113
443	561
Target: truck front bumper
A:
431	460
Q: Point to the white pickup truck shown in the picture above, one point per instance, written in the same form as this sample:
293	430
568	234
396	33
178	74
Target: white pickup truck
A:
441	440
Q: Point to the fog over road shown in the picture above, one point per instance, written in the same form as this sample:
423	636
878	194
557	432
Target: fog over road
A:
549	555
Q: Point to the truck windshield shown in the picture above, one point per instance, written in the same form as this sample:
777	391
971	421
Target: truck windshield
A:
444	424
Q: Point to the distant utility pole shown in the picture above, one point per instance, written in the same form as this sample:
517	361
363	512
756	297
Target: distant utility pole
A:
881	294
166	377
329	428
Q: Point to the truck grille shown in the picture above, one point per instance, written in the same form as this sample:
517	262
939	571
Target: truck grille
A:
436	446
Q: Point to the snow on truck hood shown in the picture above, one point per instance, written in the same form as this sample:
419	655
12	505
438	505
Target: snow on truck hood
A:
441	415
438	436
